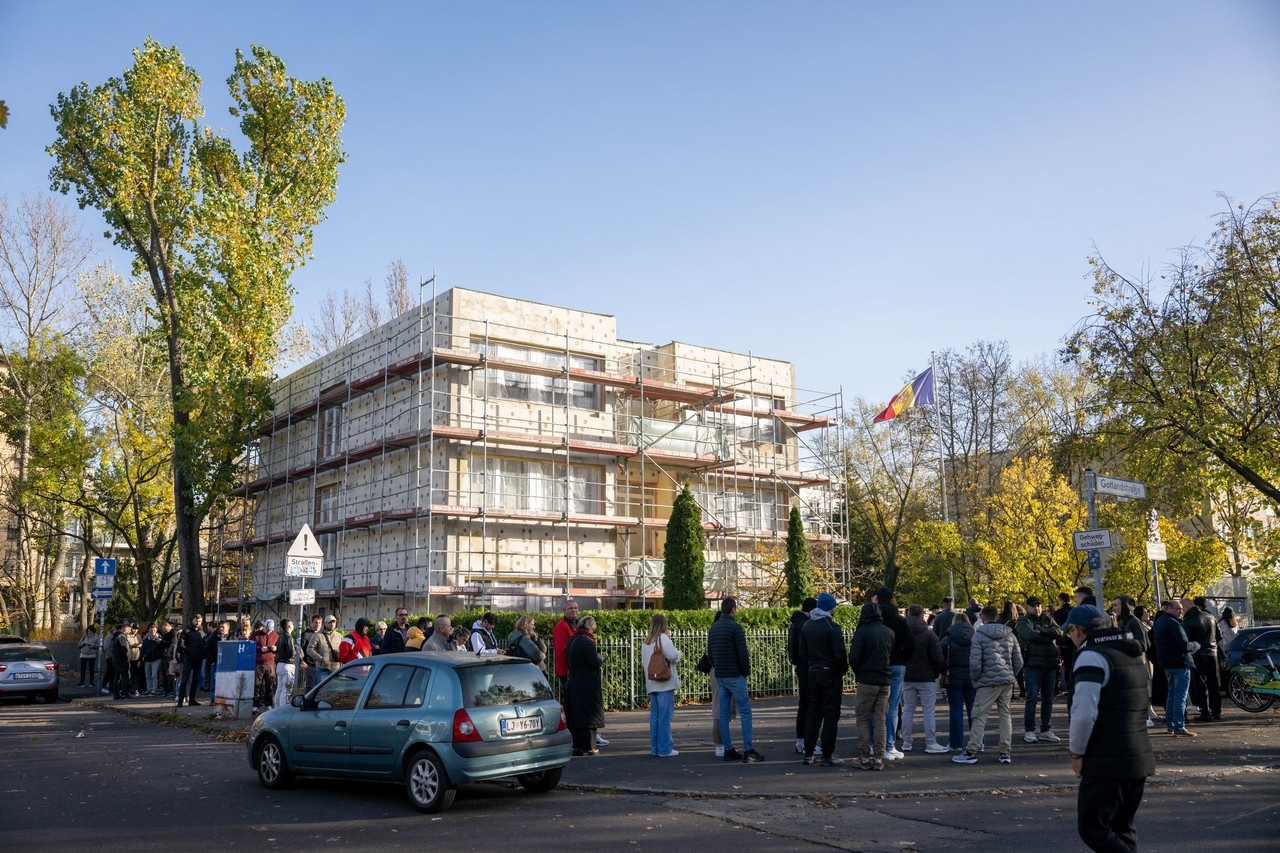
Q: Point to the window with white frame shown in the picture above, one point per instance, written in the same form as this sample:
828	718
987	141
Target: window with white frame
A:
749	429
517	385
527	484
742	509
331	432
328	511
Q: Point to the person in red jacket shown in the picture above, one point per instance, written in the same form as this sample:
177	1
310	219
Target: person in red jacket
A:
264	638
356	644
560	637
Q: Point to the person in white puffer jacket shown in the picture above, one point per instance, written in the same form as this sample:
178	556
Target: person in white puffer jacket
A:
994	663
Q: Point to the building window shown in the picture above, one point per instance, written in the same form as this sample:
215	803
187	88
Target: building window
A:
328	511
551	390
742	509
331	432
12	532
526	484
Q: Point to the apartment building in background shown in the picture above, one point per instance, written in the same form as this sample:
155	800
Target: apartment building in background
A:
488	451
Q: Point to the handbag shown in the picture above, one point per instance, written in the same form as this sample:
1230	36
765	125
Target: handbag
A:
175	668
704	663
659	669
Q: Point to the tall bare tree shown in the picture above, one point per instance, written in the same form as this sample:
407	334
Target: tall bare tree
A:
341	318
41	252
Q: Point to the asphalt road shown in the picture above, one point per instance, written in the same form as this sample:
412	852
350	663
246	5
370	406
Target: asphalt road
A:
77	777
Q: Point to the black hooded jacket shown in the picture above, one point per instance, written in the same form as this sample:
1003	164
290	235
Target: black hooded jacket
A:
871	647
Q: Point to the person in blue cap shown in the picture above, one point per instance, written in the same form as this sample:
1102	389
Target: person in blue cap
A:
1110	748
822	652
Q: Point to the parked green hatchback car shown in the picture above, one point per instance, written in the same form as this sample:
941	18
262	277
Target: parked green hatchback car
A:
431	720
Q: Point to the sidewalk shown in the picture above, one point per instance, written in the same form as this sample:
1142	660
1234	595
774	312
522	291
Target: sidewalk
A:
1241	743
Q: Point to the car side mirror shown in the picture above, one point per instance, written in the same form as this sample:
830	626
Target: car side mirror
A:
298	701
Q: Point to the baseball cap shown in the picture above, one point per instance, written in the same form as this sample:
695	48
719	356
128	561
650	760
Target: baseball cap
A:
1083	615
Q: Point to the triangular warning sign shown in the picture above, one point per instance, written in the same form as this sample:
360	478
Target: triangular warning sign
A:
305	545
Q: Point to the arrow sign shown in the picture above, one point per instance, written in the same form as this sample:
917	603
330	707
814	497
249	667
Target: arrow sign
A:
104	566
1121	488
100	594
1088	540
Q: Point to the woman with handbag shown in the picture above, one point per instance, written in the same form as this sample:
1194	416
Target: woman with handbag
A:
660	657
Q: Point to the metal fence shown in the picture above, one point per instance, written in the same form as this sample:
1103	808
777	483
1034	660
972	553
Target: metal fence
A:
623	681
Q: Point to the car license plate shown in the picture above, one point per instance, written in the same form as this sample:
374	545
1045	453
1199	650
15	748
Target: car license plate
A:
521	725
24	676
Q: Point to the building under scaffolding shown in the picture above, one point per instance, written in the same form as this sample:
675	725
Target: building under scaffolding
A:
491	451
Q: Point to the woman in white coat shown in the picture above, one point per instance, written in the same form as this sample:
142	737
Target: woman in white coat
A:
662	694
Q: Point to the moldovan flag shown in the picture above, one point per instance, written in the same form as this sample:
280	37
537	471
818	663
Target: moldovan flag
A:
917	392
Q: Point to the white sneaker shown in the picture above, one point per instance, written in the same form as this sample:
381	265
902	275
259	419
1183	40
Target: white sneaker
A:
935	748
601	741
672	754
1030	737
893	755
906	747
1050	737
719	752
800	746
1151	724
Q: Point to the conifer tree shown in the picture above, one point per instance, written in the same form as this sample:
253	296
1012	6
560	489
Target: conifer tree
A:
799	568
684	556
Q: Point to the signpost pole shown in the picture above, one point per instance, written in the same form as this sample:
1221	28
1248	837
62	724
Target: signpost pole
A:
1091	502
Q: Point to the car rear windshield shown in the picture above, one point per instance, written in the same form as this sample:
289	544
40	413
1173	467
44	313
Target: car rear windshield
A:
502	684
13	654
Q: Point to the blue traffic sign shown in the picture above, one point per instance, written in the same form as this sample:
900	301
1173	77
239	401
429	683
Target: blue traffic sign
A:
104	566
100	594
1095	559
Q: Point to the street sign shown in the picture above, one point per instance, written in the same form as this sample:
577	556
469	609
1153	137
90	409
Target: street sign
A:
1121	488
102	594
302	596
1089	540
305	559
1095	559
100	605
305	545
1157	551
104	566
107	582
303	567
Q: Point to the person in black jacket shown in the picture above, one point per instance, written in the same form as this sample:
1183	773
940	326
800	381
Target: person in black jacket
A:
1202	628
798	620
1173	655
727	646
904	645
869	659
397	634
822	652
191	648
1110	750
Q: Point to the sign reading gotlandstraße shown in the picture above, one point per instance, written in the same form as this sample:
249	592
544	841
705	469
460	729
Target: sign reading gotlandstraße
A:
1121	488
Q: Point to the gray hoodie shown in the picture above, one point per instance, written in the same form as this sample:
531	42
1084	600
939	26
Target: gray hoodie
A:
995	658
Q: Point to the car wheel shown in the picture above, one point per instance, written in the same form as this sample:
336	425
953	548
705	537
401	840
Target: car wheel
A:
427	784
273	770
540	783
1238	691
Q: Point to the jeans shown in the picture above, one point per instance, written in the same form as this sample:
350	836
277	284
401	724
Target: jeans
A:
733	691
960	706
1000	697
153	675
924	694
891	710
1175	703
662	707
1039	683
1104	813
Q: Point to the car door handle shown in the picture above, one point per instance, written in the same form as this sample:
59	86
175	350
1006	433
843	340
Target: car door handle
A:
340	724
402	724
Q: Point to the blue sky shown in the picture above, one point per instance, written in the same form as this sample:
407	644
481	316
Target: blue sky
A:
845	185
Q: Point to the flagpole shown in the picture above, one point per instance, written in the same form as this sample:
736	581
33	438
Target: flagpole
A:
942	465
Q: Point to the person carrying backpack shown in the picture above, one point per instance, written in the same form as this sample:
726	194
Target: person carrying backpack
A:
524	642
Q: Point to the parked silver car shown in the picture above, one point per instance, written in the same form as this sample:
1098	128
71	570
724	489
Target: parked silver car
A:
429	720
28	670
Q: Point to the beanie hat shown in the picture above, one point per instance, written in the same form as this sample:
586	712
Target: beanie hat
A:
827	602
808	604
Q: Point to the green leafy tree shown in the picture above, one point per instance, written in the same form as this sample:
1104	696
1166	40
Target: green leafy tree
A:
217	235
1191	363
684	556
799	568
1025	544
931	552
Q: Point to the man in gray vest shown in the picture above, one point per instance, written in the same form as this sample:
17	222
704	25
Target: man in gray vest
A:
1110	748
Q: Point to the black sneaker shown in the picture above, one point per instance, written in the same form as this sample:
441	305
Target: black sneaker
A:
732	754
808	761
751	757
831	761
